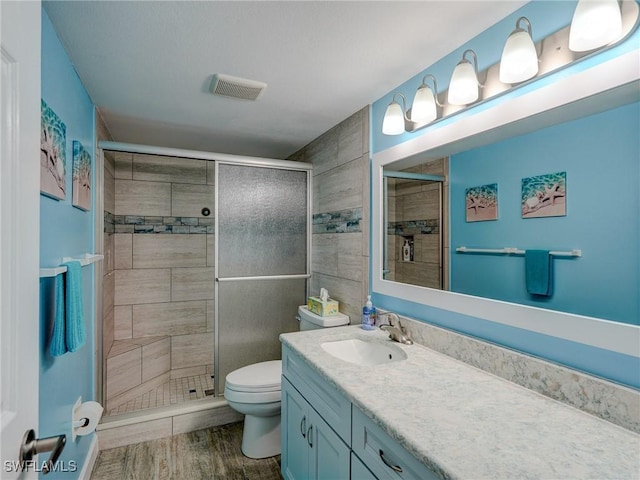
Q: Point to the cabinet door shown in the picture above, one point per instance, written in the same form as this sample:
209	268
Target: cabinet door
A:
359	471
295	424
329	456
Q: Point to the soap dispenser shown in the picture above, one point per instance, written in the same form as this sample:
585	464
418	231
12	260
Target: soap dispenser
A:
368	315
406	251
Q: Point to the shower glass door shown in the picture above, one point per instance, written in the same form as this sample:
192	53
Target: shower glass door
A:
262	261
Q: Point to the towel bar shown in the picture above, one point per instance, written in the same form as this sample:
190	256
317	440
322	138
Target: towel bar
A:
87	259
516	251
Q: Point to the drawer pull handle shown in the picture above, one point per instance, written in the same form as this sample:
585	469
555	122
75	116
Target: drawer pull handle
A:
309	437
395	468
303	426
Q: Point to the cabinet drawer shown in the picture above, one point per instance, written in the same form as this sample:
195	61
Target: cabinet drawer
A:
334	407
382	454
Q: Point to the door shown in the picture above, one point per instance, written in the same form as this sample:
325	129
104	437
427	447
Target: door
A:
329	456
262	261
19	231
295	425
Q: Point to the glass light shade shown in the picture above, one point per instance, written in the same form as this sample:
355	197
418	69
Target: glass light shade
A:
519	60
463	87
423	109
393	122
595	23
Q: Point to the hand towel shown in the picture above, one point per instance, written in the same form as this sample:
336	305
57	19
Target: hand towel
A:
537	265
75	332
58	346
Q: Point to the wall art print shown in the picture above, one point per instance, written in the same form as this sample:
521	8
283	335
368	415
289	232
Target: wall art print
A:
482	203
53	140
81	177
544	195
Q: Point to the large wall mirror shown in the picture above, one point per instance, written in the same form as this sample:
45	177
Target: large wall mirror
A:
572	127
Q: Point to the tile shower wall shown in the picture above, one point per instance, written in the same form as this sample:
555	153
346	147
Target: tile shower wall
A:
340	241
163	272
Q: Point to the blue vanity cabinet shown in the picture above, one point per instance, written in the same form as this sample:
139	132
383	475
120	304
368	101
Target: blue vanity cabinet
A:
310	448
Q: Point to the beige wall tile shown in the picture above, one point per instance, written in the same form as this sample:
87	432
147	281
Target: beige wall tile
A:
176	318
211	172
189	200
109	161
156	168
323	152
143	198
123	317
194	283
135	433
211	315
350	255
107	332
339	188
324	255
108	293
123	244
109	188
142	286
188	372
123	163
211	252
156	358
124	371
175	250
191	350
347	292
205	419
109	252
350	133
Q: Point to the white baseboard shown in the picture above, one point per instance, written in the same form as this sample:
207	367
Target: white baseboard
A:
87	468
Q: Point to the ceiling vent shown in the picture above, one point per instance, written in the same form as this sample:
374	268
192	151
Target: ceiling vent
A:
234	87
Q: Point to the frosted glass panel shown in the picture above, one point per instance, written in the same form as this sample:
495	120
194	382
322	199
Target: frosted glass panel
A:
262	221
252	315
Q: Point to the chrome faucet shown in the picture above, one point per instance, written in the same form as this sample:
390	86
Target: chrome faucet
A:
397	334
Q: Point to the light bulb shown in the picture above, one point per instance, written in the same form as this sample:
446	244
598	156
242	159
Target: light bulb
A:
423	109
595	23
519	60
393	122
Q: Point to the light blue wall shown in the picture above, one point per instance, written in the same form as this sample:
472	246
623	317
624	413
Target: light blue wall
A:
600	155
546	17
65	231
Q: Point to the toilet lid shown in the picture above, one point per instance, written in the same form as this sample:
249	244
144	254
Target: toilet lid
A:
259	377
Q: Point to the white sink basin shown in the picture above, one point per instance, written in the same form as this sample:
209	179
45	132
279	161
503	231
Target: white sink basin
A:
362	352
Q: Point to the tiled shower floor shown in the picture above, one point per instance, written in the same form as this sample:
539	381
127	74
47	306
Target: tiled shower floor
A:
178	390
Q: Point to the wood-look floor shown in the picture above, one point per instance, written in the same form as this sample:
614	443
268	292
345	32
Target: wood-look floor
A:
212	453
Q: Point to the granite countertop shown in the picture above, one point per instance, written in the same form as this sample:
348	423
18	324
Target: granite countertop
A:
465	423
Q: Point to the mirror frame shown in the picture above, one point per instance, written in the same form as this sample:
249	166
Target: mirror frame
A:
610	84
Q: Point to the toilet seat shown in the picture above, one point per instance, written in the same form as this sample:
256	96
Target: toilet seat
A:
257	383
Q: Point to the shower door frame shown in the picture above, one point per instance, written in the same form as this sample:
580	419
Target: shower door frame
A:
258	163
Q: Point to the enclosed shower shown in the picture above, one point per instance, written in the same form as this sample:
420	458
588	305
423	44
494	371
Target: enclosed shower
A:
206	262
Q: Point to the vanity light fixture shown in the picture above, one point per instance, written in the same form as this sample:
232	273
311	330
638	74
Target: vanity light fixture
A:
463	88
393	123
519	60
425	102
595	23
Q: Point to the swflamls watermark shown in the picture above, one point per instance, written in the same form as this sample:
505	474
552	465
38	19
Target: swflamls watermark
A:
35	466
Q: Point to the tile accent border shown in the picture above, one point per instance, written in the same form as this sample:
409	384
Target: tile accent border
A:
161	225
342	221
109	222
607	400
414	227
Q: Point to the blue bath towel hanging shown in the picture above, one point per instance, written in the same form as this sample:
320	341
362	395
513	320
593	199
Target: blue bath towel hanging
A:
75	332
537	265
58	344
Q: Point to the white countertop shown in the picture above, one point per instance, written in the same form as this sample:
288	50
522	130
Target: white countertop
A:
465	423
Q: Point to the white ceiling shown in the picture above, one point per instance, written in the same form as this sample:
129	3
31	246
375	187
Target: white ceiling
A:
147	65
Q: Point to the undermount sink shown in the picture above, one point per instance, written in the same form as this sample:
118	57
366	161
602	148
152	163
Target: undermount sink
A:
362	352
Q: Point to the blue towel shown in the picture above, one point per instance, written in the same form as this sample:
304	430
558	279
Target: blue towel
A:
537	266
58	346
75	332
68	329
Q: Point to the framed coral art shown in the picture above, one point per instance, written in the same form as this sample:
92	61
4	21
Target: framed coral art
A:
482	203
81	177
53	139
544	195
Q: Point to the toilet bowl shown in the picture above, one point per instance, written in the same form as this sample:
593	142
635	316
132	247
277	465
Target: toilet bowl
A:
255	391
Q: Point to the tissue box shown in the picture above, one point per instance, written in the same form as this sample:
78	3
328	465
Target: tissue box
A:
324	309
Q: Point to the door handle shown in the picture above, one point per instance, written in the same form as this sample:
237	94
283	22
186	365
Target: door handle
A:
303	426
310	436
32	446
395	468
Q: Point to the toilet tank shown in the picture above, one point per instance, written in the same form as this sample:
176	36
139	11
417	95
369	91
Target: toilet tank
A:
311	321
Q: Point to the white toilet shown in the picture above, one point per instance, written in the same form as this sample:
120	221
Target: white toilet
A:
254	391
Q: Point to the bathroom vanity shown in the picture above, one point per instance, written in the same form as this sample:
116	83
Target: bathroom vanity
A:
418	414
